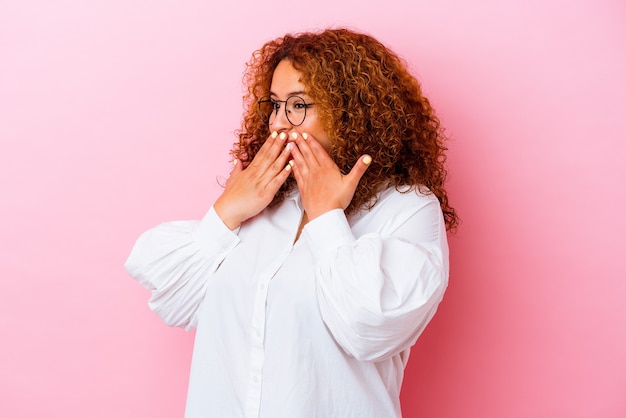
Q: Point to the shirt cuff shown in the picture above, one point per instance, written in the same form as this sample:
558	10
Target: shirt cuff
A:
328	232
212	233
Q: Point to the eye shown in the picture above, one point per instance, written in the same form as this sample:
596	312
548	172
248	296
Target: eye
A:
275	105
300	105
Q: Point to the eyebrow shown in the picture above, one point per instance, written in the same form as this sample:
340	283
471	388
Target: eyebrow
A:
293	93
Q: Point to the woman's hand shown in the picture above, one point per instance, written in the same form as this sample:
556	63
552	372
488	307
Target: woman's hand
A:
249	191
322	185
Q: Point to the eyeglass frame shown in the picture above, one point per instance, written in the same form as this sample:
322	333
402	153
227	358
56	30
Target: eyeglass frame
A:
267	99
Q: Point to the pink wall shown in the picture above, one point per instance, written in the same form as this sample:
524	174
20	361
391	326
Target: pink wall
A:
118	115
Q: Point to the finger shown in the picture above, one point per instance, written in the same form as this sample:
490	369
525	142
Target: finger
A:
280	178
281	160
299	163
297	170
321	154
357	171
237	167
272	177
271	146
270	149
309	148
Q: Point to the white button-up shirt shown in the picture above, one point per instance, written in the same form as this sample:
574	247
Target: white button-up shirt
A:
317	328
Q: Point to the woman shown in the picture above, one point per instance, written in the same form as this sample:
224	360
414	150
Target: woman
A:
324	258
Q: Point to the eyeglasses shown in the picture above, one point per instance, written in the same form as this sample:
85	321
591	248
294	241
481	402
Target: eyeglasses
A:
295	109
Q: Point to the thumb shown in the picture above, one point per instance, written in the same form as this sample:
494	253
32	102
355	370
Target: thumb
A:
237	167
359	169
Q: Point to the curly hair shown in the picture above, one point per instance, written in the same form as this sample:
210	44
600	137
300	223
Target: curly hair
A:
369	104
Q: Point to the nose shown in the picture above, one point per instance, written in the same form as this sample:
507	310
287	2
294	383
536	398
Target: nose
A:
279	121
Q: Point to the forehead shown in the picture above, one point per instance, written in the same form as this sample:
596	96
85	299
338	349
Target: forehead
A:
286	80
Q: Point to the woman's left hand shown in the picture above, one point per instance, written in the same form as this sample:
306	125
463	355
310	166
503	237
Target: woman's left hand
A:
322	185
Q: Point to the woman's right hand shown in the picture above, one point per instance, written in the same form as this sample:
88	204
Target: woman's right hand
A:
249	191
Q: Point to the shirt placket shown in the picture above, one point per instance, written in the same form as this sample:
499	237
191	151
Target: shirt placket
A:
257	351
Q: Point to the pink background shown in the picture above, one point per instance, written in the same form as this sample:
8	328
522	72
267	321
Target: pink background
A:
117	115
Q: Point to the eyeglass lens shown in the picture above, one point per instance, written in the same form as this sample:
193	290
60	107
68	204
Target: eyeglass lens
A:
295	109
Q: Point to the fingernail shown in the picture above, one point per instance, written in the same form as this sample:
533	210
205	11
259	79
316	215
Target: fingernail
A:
274	134
294	135
288	167
291	163
305	136
283	135
367	159
289	146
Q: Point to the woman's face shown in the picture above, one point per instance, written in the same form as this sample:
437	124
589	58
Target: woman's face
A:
286	83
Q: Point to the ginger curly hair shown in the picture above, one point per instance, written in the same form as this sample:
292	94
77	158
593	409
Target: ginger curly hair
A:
369	104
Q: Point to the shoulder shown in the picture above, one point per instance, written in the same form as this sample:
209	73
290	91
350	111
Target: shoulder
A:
405	198
401	207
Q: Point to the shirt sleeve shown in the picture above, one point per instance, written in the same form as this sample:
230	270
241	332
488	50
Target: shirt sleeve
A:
175	261
377	293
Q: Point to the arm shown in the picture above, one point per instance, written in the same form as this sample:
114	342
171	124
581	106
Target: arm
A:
175	261
378	292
